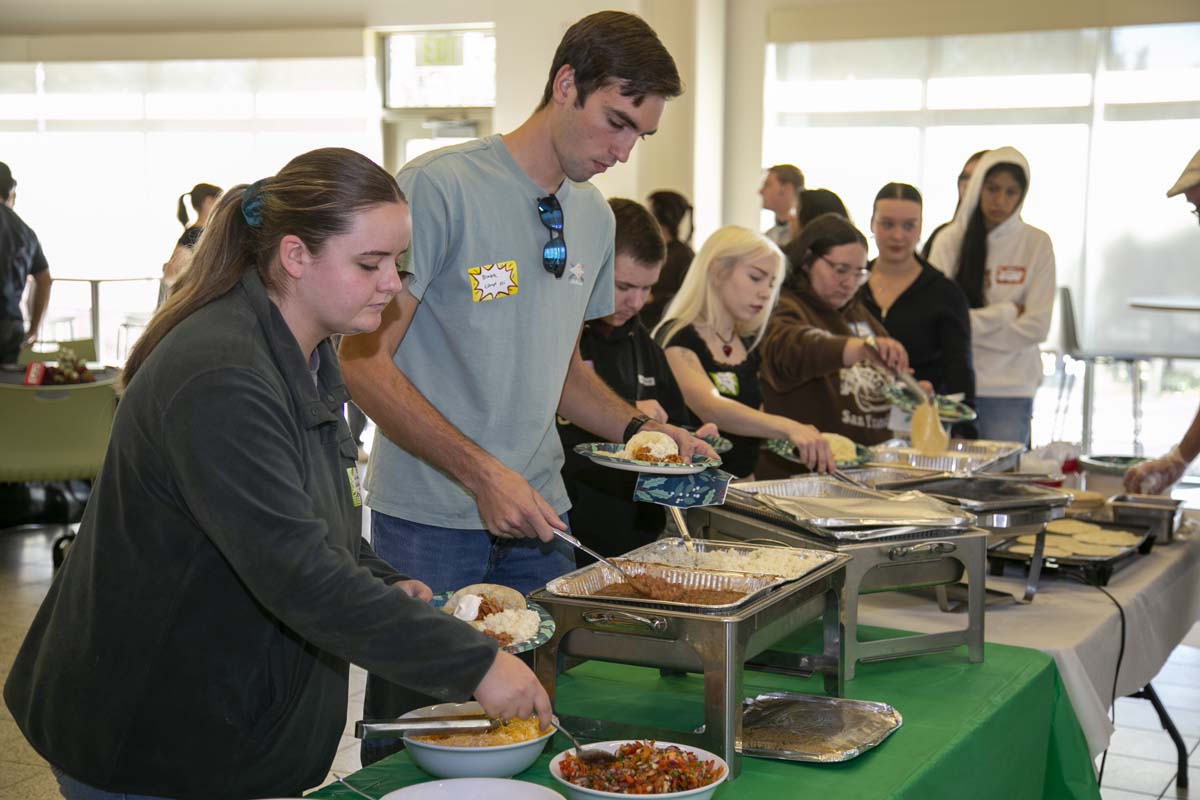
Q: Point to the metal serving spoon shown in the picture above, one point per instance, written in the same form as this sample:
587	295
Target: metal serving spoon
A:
593	756
638	582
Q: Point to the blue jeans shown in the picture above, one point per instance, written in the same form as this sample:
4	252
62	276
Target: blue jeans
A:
74	790
448	559
1004	419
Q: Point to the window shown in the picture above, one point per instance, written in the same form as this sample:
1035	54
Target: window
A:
448	68
1106	117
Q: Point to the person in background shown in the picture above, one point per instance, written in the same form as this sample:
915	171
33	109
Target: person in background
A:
923	309
203	197
1158	475
669	209
220	575
812	204
512	252
780	190
711	332
21	258
815	352
964	177
1005	267
619	348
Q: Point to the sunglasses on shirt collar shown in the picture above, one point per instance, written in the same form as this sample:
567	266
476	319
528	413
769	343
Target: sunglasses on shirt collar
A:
554	253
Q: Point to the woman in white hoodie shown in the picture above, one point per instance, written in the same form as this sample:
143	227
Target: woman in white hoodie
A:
1006	269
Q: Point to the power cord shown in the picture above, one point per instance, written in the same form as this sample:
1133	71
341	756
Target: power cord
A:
1120	658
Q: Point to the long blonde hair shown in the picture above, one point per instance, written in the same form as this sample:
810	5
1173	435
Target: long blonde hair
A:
697	297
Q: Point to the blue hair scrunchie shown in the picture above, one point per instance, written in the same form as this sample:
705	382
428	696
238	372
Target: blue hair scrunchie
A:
252	203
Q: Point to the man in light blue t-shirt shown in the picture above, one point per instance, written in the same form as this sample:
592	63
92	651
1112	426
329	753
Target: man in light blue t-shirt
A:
512	249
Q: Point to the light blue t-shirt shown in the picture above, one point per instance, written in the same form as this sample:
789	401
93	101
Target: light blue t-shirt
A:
491	340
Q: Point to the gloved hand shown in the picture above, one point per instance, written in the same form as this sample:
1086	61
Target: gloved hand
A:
1156	476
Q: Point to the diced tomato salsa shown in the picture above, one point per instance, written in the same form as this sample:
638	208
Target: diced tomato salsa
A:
642	768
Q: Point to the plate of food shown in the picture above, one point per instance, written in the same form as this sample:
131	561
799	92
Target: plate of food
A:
846	453
501	613
661	769
510	747
648	451
949	410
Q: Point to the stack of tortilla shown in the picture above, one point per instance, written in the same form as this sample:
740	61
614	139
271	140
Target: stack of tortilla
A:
1066	538
1083	502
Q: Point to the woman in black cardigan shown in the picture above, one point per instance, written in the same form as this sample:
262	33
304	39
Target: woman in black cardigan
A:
917	304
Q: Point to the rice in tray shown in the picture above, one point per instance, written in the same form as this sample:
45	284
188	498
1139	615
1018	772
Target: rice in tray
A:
512	732
780	561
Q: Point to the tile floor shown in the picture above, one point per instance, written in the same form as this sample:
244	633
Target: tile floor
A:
1141	761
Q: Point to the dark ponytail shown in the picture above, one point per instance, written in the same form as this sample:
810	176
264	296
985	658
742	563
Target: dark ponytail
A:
972	256
669	208
315	197
199	193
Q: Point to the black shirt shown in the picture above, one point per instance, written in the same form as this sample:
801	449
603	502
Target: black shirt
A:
735	381
190	237
603	514
931	319
20	256
674	269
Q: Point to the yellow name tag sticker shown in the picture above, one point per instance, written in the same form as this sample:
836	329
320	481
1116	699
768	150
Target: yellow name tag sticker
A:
491	281
355	494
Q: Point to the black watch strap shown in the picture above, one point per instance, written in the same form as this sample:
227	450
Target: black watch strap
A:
634	426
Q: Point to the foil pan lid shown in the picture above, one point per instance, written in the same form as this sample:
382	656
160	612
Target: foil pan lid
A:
804	727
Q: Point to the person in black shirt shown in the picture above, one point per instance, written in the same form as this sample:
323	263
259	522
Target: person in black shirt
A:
710	333
619	348
669	209
920	307
21	257
204	198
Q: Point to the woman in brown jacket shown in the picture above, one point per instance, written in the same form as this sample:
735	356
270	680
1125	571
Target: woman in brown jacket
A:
814	352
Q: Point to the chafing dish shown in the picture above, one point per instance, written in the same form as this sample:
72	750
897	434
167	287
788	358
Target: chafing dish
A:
961	457
884	559
1006	508
718	643
1161	514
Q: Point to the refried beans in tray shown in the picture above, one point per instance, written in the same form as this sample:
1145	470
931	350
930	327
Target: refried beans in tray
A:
671	592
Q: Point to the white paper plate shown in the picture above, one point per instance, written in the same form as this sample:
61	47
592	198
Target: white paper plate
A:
474	789
602	453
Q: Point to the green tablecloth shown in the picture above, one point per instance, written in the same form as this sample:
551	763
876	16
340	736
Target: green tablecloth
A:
1001	729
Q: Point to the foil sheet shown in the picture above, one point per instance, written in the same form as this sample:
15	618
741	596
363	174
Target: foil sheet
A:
902	509
669	552
804	486
980	494
802	727
587	581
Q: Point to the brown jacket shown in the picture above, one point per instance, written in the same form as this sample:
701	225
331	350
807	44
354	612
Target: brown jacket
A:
803	377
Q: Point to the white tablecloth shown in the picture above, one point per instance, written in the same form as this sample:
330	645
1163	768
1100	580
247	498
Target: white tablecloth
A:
1079	626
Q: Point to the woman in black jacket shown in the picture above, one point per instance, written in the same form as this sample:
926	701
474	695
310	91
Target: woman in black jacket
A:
919	305
195	645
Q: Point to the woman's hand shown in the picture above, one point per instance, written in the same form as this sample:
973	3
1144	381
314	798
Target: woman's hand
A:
414	589
707	431
510	690
811	447
892	352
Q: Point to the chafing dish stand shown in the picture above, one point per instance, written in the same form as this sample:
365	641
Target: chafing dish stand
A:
718	646
906	560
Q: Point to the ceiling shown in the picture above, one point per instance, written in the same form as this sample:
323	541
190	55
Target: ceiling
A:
40	17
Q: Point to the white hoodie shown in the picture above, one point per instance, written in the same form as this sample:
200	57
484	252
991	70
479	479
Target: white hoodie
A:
1019	271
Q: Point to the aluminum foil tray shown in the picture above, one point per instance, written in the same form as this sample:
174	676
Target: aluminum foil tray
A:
673	552
803	486
838	505
961	456
803	727
587	581
881	477
982	493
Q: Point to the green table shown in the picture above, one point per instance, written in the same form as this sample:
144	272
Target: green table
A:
1002	729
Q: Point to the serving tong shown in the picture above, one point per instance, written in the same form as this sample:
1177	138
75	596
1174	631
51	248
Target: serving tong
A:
425	726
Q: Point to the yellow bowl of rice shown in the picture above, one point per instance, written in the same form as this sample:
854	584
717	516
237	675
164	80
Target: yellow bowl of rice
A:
499	753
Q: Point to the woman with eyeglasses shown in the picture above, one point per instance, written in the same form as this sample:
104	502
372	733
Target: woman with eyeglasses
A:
1005	268
818	344
920	306
710	333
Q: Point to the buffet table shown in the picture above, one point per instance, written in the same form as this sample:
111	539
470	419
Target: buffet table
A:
966	728
1080	627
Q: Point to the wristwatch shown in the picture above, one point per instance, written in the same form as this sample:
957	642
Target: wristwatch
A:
634	426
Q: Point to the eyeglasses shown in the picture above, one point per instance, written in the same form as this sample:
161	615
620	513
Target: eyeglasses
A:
554	253
844	271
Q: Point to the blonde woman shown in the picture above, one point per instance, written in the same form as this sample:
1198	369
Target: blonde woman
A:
710	332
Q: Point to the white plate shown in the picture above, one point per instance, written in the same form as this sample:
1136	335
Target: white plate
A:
474	789
602	453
